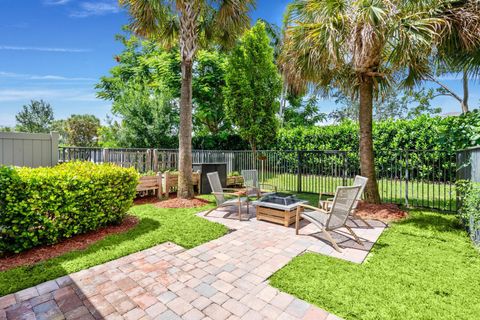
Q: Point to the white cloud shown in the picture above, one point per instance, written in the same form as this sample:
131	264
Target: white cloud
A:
42	77
44	49
55	2
88	9
47	94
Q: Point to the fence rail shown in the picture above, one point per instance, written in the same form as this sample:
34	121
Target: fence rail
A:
419	178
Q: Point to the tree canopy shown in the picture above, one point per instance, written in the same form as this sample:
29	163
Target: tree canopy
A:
253	85
35	117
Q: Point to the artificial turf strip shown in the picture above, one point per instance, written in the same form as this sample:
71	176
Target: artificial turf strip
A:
422	268
156	226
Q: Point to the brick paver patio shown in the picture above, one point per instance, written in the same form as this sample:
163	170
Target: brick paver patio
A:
226	278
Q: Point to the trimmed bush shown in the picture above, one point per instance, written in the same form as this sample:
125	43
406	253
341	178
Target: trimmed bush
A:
469	196
45	205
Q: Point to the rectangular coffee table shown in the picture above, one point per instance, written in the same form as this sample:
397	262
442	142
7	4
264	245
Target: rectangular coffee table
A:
278	208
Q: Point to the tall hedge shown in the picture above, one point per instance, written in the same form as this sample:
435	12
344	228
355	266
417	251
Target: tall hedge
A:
422	133
44	205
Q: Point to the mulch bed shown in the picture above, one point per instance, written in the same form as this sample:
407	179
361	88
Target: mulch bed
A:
173	202
78	242
384	212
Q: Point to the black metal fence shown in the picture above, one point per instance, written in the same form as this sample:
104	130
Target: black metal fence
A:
415	178
468	163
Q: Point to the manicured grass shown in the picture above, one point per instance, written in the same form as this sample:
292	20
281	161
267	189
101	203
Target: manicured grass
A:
424	267
425	194
156	226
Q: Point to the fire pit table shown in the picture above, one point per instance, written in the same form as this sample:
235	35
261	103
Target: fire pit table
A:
278	208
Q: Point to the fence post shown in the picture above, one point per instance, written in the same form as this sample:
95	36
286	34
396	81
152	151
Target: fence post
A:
148	160
406	178
105	155
299	171
345	168
155	160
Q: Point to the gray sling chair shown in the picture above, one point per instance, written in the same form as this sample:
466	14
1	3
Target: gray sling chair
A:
253	185
221	197
358	181
334	218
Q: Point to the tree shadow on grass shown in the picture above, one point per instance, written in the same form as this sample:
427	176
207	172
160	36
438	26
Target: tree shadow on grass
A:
99	252
430	221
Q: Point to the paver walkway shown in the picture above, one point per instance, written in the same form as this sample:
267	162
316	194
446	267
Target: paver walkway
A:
222	279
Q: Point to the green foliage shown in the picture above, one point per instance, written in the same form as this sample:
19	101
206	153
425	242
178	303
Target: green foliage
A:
421	133
421	268
156	226
392	104
302	111
46	205
224	140
35	117
208	86
469	212
82	130
143	88
253	86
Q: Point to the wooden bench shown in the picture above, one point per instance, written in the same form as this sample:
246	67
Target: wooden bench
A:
147	183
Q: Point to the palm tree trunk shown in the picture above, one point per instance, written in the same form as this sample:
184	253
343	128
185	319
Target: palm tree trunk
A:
367	159
185	186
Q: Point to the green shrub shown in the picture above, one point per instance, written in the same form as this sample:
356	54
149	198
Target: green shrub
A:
469	197
234	174
44	205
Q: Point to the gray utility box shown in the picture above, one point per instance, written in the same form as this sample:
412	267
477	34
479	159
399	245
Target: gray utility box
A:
205	168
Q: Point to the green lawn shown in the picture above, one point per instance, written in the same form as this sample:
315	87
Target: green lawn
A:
156	226
422	268
426	194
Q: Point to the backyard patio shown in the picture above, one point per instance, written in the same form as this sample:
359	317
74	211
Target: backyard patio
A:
223	278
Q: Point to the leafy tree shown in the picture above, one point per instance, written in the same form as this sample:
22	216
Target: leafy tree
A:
189	23
208	87
59	126
110	135
302	111
5	129
362	47
144	90
393	104
35	117
253	86
82	130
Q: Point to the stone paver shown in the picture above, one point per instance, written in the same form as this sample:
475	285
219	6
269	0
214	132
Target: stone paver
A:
223	279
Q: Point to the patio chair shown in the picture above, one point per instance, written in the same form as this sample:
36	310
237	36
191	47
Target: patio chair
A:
222	197
253	185
334	218
358	181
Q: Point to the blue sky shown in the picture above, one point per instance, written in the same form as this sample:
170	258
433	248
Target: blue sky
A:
56	50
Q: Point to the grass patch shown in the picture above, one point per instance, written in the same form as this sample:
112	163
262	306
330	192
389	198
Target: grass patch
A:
424	267
156	226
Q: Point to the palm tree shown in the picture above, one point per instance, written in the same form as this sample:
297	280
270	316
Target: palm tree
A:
191	24
361	47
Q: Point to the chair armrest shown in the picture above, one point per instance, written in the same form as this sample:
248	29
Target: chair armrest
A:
307	206
227	194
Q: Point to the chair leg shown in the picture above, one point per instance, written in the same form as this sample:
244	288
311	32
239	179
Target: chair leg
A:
297	220
357	239
210	211
239	211
335	245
